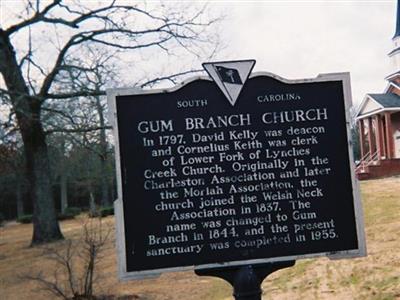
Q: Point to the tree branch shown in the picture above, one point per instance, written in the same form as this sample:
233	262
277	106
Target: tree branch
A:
77	130
76	94
37	17
171	78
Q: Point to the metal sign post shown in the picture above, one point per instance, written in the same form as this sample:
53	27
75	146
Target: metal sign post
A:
246	280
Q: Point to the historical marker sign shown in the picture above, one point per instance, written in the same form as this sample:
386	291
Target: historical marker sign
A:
205	182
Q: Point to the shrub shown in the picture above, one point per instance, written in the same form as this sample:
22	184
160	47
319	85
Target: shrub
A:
73	210
76	263
69	213
102	212
25	219
94	213
65	216
106	211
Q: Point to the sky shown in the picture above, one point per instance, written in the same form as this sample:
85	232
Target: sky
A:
303	38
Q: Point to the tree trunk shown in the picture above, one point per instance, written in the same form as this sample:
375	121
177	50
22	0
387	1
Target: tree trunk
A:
64	192
105	200
20	201
27	110
63	179
92	204
45	224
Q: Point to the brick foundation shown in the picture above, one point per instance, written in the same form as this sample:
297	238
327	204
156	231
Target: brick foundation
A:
384	168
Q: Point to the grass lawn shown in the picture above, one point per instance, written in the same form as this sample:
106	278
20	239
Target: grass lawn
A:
376	276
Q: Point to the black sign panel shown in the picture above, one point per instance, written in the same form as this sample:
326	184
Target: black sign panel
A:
207	183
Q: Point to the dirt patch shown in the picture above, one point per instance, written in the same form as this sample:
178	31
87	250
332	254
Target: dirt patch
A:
376	276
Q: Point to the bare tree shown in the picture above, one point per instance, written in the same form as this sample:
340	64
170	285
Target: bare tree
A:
34	70
84	122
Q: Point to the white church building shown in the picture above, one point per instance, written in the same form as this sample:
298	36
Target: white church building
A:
378	118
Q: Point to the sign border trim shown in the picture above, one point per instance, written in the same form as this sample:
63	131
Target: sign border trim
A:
124	275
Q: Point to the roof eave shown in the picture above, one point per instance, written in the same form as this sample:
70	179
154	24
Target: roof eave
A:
387	109
364	102
393	75
391	84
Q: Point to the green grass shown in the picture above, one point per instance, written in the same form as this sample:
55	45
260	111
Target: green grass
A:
375	277
381	205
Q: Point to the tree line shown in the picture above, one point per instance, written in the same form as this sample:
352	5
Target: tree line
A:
56	60
82	176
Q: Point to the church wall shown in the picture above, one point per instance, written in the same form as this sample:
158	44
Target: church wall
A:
396	62
396	133
395	121
396	91
395	58
396	42
369	107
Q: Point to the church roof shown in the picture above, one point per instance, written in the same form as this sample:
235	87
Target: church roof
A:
394	50
377	103
386	100
393	76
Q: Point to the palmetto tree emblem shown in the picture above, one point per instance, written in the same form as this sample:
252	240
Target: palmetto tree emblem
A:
228	75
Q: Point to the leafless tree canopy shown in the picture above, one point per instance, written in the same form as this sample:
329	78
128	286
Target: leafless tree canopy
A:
117	26
52	51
